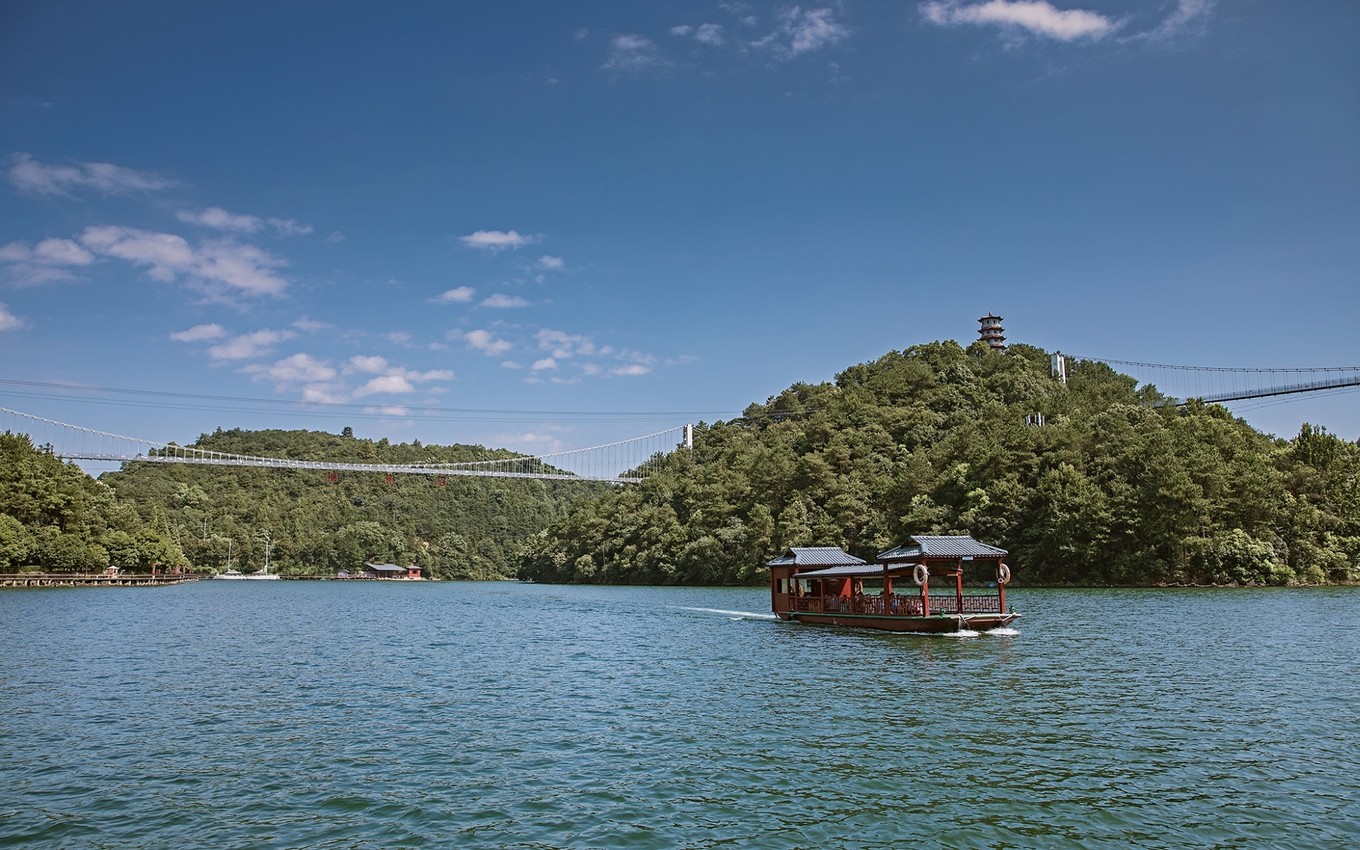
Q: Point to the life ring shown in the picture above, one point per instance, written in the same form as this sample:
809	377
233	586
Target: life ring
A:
920	574
1003	574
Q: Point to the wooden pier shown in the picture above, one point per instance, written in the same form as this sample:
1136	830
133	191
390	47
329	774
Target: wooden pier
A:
104	579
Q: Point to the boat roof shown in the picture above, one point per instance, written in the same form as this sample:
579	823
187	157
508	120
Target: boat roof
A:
856	571
815	556
921	546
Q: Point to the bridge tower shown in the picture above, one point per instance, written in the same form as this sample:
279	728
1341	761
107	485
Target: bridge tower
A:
991	332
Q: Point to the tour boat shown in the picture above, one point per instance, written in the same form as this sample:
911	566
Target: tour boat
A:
826	586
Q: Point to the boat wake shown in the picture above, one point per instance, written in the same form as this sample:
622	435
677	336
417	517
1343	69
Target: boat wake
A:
1004	631
735	615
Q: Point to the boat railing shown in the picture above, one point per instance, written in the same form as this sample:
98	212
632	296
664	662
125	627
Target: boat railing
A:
973	603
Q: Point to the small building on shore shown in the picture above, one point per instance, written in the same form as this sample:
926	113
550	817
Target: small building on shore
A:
391	571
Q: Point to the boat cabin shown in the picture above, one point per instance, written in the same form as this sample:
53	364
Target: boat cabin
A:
931	583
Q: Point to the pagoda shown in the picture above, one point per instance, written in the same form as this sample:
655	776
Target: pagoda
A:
992	333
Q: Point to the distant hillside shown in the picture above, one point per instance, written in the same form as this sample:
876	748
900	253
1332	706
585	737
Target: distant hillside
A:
465	528
939	439
55	518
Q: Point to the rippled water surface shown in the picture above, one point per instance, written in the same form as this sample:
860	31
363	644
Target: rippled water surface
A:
377	715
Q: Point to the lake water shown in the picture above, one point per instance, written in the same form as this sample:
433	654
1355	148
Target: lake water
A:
379	715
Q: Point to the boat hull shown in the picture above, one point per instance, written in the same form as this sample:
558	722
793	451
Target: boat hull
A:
934	624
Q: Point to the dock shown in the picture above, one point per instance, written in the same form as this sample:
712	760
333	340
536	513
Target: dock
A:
104	579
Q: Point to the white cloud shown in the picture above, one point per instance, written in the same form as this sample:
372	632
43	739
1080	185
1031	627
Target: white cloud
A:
249	345
61	252
373	365
336	237
29	274
501	300
318	384
325	393
550	263
630	370
431	375
630	52
498	240
457	295
710	34
241	267
299	368
800	31
29	175
9	321
307	325
1188	18
199	333
44	263
742	11
486	342
545	363
398	337
217	263
389	384
1037	17
290	227
165	253
219	219
564	345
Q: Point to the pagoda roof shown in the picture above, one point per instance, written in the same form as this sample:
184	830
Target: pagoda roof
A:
960	546
815	556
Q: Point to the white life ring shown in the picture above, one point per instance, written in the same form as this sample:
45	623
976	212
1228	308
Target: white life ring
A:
920	574
1003	574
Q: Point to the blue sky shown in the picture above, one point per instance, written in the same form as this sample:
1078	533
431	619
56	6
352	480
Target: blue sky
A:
553	225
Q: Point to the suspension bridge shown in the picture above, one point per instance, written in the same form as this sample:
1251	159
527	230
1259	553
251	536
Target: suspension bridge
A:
630	461
1178	385
623	462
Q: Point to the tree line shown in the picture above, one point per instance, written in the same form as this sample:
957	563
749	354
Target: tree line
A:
311	522
55	518
1086	483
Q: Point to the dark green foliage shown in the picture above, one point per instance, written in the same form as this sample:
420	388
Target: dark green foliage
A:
317	524
56	518
939	439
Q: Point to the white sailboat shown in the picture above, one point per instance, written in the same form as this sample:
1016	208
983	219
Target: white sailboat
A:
236	575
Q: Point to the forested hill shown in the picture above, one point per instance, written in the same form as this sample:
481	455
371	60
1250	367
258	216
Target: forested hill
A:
942	440
55	518
464	527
